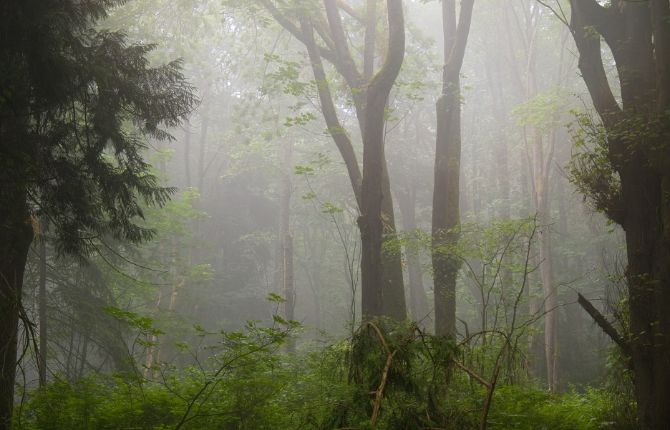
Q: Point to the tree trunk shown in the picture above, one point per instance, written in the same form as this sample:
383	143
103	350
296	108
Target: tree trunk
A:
446	212
202	147
42	306
187	153
638	34
285	237
16	235
417	294
383	279
373	284
446	193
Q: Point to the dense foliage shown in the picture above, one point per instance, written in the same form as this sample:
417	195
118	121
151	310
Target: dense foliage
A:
179	222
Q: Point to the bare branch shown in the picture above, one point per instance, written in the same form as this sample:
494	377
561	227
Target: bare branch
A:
604	324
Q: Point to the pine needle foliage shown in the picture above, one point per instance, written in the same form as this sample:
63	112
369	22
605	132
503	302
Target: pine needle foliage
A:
78	109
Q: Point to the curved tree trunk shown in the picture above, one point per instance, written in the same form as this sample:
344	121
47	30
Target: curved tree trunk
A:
374	302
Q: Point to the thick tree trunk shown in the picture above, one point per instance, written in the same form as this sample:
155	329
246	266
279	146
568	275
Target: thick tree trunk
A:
394	305
648	248
376	299
16	234
638	34
446	192
383	279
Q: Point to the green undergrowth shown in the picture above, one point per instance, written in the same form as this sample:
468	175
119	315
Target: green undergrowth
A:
252	384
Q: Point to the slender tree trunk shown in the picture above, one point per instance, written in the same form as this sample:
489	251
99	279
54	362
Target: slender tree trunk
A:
417	294
187	153
285	237
42	306
550	294
202	147
152	352
16	235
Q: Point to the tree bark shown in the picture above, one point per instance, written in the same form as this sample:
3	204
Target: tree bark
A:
638	34
42	306
390	279
372	191
446	193
16	235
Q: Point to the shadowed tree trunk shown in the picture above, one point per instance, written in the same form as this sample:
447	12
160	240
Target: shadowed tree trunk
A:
42	305
16	235
638	34
446	194
375	177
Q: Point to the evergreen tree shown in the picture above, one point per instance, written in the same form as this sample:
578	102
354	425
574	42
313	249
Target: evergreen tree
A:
77	107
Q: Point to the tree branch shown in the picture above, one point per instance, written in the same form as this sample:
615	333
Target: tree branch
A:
288	25
335	129
604	324
455	59
350	11
347	65
590	59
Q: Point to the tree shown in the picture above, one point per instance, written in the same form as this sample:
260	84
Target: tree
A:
76	109
382	283
446	210
627	176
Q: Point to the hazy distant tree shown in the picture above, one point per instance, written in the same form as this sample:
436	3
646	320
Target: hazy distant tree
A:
446	194
76	107
629	176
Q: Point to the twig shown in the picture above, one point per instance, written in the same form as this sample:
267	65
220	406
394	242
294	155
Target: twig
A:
380	391
474	375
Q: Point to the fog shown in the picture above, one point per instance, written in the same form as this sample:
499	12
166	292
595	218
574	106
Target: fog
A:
276	171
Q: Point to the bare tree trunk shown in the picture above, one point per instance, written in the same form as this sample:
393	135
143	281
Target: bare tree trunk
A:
374	172
187	152
285	237
152	352
388	285
446	194
417	294
202	147
42	306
